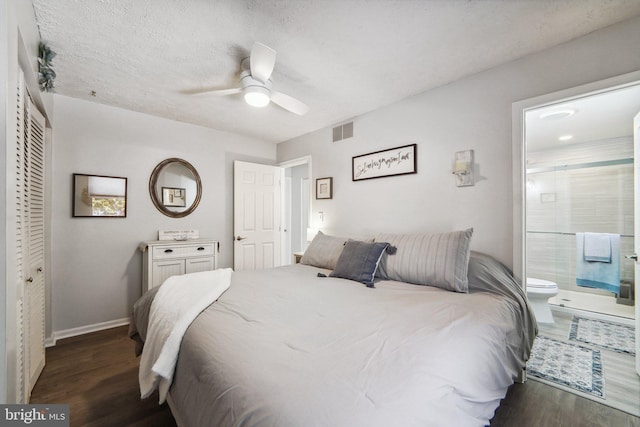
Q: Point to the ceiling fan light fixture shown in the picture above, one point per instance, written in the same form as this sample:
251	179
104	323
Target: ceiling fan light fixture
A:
256	83
257	96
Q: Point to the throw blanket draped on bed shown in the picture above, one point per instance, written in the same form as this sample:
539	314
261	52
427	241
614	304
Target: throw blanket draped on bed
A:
177	302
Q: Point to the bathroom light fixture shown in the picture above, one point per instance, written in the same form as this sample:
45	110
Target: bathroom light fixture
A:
565	138
257	96
558	114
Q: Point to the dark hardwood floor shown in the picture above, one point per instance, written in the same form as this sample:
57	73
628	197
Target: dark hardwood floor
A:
97	375
534	404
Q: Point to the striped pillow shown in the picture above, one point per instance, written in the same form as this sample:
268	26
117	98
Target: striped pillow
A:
438	259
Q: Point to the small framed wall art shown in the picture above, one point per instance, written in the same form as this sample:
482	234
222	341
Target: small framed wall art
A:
324	188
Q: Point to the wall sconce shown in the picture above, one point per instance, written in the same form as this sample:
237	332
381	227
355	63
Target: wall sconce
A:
463	168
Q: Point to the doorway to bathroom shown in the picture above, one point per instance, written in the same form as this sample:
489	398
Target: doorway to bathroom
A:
576	184
579	196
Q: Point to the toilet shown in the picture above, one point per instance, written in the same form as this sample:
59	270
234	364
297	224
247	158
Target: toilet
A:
538	292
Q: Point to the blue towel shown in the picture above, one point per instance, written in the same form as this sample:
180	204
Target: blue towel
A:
598	274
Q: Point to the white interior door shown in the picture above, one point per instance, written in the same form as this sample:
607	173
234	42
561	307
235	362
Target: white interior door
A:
257	215
636	240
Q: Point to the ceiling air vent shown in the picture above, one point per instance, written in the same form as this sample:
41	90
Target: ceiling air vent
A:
343	132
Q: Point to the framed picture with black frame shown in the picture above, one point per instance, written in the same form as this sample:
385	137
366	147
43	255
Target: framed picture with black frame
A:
380	164
324	188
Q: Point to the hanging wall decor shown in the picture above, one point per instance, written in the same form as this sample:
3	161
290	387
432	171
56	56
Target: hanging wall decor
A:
99	196
46	75
324	188
463	168
379	164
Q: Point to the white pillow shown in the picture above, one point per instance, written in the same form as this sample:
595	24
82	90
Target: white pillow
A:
433	259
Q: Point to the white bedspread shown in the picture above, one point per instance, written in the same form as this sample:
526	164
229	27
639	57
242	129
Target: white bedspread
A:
285	348
178	301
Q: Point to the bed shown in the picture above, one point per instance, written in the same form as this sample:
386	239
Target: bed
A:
299	346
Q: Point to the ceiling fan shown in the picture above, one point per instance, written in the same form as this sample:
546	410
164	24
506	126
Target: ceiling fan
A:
256	83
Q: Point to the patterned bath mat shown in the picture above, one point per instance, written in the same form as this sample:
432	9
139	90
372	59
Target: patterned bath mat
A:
612	336
570	365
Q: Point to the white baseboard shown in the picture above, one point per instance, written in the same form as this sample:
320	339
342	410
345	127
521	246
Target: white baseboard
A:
81	330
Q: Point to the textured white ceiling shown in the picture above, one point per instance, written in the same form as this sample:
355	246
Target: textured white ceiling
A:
341	57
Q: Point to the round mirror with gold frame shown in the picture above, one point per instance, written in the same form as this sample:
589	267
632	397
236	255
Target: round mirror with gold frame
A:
175	187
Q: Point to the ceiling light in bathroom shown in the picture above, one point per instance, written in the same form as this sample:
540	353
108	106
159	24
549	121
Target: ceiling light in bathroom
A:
558	114
565	138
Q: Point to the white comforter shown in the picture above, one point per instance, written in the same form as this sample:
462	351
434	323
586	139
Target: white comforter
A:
283	347
178	301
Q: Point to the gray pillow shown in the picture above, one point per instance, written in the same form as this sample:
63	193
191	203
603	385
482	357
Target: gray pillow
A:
323	251
437	259
359	261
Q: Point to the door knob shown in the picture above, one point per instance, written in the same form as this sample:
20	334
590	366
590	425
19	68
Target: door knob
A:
633	257
30	280
240	238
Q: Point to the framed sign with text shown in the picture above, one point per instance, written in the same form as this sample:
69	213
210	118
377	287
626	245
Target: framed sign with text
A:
380	164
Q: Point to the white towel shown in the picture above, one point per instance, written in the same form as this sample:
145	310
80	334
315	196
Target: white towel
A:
178	302
598	275
597	247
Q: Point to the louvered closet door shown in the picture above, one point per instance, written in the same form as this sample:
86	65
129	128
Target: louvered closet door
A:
29	243
20	247
35	292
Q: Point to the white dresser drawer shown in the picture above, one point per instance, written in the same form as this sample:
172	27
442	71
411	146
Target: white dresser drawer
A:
181	251
165	258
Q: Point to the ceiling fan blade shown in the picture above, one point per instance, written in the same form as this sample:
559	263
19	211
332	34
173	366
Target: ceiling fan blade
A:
221	92
289	103
262	61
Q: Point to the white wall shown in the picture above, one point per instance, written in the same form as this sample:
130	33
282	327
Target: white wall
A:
97	268
471	113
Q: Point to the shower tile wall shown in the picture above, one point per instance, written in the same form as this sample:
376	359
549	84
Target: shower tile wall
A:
592	199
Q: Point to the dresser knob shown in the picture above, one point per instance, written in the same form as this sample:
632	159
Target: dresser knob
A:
168	251
201	248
